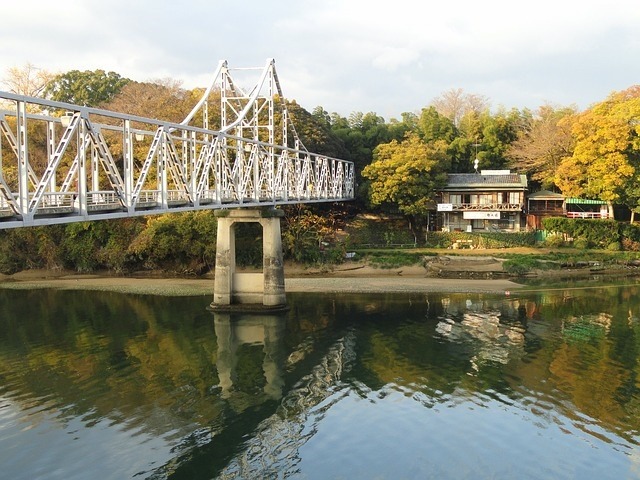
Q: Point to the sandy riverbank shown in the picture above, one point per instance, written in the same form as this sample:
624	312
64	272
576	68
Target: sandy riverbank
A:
465	272
353	278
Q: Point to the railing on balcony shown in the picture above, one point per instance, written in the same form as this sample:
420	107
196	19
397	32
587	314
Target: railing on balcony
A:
558	211
587	214
502	207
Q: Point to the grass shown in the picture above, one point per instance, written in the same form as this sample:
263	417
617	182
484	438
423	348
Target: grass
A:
542	259
390	258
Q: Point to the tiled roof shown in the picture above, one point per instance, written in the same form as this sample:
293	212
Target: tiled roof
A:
466	180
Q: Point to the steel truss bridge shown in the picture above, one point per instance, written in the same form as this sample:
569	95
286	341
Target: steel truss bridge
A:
62	163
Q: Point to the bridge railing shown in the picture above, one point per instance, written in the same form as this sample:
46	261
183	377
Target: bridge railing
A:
96	164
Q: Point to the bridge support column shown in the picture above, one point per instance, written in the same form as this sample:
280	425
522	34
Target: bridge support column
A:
232	289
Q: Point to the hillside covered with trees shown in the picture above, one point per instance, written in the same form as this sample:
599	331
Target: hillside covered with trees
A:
399	163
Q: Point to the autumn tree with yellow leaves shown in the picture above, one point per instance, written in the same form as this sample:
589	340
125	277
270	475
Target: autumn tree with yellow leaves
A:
605	162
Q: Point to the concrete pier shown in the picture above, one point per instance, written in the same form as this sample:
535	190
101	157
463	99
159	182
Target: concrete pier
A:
234	290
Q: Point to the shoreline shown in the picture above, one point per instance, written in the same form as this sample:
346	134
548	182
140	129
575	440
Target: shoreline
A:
362	279
480	274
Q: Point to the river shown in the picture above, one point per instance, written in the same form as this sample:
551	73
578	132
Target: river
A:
532	385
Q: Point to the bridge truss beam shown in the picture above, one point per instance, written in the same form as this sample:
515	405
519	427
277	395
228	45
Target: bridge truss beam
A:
62	163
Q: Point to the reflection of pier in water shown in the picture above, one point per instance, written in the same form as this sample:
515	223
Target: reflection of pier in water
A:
280	436
258	329
274	425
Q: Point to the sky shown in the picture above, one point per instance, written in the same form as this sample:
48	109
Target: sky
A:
386	57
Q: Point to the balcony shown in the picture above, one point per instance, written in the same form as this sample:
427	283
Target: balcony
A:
547	211
495	207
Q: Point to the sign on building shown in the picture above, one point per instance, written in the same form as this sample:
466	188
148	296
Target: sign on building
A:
445	207
481	215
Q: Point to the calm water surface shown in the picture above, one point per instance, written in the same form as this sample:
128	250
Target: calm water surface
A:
457	386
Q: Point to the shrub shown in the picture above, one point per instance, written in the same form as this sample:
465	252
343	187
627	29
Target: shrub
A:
581	243
482	240
554	240
514	268
180	242
614	247
630	245
597	232
380	232
393	259
520	264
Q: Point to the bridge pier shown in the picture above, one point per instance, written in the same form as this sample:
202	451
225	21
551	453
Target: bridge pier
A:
249	291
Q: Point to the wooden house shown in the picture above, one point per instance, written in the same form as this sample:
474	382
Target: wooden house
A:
491	200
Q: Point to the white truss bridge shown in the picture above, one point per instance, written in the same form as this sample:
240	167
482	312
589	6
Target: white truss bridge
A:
63	163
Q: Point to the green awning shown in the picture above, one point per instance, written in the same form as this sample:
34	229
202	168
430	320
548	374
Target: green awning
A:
584	201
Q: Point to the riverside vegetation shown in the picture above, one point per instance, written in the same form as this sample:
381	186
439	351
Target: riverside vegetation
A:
183	244
399	165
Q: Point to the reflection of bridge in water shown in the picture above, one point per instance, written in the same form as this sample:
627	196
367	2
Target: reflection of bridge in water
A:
275	424
62	163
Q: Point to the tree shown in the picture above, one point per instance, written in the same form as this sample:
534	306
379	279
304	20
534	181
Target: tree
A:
88	88
605	163
498	132
541	145
485	137
434	126
361	134
406	175
314	131
163	99
27	80
455	104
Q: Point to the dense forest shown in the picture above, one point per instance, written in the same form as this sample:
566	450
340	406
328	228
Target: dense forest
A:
593	153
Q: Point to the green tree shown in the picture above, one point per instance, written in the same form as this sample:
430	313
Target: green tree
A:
88	88
433	126
499	131
314	131
406	175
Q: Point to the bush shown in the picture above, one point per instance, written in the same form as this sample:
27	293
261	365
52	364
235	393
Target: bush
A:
30	247
380	231
630	245
597	232
581	243
393	259
554	241
520	264
614	247
179	242
482	240
515	268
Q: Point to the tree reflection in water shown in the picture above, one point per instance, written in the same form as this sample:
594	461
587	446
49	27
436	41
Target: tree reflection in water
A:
246	396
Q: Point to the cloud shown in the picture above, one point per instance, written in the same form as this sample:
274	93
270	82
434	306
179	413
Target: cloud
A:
345	55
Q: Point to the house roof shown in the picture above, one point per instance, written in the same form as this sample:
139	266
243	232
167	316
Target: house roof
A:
457	181
545	195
